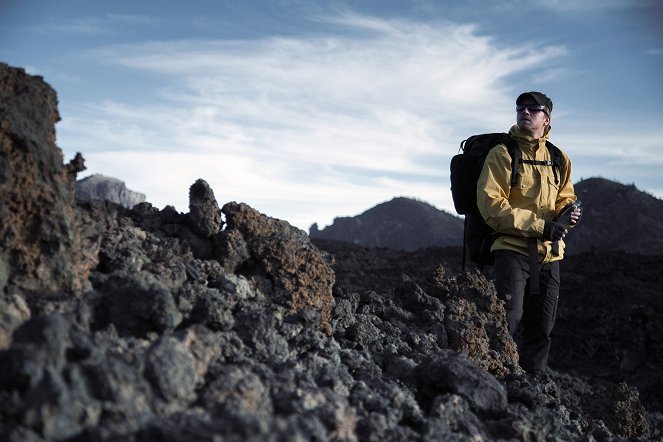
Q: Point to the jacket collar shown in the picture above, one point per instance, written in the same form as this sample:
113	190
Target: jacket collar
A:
527	141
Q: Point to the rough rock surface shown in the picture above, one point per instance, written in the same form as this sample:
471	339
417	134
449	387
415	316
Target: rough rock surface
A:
39	245
290	267
181	335
204	213
606	331
107	188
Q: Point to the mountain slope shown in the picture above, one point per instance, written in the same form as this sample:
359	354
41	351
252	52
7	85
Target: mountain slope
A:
617	217
399	224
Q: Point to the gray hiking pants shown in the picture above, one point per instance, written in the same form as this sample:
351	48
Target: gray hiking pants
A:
530	317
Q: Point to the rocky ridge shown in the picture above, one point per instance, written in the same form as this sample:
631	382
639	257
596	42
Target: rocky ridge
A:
616	217
226	324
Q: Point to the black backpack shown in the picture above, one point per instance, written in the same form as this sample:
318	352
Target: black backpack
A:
466	167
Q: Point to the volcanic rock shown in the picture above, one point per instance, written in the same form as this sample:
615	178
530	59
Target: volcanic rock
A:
287	264
39	244
185	331
606	330
204	213
107	188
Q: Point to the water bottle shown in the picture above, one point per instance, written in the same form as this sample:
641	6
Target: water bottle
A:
565	216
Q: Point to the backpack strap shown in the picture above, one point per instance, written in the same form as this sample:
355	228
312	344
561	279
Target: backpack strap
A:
554	162
556	158
516	157
516	161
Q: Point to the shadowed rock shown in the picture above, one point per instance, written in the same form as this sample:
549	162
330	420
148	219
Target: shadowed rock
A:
39	244
204	214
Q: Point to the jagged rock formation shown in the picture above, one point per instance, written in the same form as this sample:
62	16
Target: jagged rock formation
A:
39	245
189	328
106	188
399	224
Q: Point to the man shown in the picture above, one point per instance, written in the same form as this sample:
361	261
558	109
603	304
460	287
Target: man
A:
531	233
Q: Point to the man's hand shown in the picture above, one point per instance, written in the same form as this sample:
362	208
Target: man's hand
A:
553	231
575	215
570	216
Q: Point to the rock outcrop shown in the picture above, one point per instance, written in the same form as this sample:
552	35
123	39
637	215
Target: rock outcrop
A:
191	327
39	244
107	188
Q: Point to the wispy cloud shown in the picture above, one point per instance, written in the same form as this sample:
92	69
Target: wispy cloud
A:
102	24
331	123
586	5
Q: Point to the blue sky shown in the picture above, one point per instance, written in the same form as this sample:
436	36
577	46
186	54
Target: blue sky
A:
307	110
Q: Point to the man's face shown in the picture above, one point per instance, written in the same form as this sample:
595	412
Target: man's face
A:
532	118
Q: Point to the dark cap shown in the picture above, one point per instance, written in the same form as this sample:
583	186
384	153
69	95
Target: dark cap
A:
537	97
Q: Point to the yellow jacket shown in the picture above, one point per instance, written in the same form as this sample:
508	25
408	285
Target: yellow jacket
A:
520	212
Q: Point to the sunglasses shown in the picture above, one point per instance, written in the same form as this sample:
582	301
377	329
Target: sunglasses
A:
531	108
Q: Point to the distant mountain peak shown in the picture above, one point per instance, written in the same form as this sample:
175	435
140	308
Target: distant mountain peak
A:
616	216
401	224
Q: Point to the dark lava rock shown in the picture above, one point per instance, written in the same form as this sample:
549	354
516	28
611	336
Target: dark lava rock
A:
136	304
186	329
280	259
448	373
204	213
39	244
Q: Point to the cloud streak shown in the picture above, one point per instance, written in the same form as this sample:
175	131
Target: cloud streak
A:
106	24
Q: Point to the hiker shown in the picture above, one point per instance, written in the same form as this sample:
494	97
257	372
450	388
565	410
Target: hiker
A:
529	242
